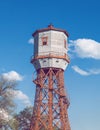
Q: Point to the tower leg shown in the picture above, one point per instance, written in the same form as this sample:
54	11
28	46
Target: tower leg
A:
51	102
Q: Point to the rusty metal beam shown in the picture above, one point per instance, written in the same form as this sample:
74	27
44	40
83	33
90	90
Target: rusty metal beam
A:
51	102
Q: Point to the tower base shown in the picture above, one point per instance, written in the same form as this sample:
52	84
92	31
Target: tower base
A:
51	102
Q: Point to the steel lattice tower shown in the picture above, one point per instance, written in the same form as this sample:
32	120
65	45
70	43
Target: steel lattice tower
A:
50	60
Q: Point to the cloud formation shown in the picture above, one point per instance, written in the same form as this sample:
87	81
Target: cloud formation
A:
23	97
12	76
79	71
19	95
85	73
31	41
85	48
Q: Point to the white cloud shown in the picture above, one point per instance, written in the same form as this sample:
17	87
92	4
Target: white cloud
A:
80	71
31	41
85	48
94	71
12	76
85	73
19	95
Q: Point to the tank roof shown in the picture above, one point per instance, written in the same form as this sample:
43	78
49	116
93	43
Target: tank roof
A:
50	27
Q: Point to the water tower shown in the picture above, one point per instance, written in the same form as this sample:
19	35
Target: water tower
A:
50	61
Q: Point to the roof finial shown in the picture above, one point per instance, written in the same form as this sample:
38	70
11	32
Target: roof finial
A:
50	25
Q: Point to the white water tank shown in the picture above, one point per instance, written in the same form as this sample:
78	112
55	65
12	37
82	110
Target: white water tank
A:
50	48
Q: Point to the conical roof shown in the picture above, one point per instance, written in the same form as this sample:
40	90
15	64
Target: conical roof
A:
50	27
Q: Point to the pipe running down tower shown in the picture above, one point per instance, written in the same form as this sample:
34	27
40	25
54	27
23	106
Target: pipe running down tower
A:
50	61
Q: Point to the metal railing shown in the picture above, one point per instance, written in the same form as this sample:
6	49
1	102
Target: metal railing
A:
50	54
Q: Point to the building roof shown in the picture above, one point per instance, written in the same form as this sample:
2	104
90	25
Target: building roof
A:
50	27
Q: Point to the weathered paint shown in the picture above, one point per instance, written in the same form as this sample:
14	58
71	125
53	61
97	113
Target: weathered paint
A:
55	46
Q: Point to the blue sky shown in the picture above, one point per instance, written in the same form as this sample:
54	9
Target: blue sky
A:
20	18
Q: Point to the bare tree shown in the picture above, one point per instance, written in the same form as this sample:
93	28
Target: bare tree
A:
7	104
24	118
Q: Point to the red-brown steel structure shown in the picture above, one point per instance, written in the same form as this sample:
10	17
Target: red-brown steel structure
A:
51	100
